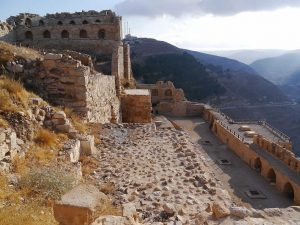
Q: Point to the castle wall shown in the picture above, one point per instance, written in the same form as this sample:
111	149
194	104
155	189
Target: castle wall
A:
164	91
250	156
65	81
91	32
136	106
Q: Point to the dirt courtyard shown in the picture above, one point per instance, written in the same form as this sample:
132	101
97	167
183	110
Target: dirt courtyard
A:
237	177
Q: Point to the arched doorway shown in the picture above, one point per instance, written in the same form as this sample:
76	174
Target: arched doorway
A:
28	35
41	23
65	34
83	34
271	176
47	34
101	34
257	165
288	190
28	22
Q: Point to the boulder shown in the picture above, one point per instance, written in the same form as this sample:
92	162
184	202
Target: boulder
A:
219	210
110	220
169	209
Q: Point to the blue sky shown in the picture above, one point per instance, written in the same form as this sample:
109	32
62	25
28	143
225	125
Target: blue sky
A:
191	24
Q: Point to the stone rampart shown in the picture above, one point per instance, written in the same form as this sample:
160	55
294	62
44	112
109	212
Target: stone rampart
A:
273	161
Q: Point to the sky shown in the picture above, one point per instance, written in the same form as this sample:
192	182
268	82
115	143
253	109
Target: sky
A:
191	24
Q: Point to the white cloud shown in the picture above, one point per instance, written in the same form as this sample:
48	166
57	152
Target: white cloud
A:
266	30
153	8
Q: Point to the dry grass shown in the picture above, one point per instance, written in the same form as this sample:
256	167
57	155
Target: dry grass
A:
13	95
3	123
110	209
16	212
46	138
27	214
10	52
88	165
76	121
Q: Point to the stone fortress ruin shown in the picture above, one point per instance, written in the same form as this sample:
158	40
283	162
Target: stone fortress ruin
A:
86	66
93	86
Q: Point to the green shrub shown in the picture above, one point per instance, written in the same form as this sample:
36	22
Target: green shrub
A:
48	183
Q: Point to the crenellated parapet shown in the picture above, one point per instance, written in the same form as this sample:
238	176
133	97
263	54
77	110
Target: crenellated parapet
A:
279	150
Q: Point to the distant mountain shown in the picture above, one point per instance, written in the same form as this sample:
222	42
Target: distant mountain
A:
278	69
249	56
143	47
204	77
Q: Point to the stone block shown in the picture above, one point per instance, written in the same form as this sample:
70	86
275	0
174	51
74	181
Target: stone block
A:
74	151
51	56
59	115
4	148
78	206
87	145
64	128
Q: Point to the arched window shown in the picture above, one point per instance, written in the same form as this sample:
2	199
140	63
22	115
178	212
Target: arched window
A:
101	34
28	22
83	34
41	23
60	23
65	34
72	22
168	93
97	21
47	34
28	35
85	22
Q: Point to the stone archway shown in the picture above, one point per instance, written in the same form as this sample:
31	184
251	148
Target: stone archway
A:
28	35
101	34
28	22
65	34
288	190
271	176
83	34
47	34
258	165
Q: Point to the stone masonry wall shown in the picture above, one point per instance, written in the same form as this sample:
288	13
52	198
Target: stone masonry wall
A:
97	33
65	81
136	107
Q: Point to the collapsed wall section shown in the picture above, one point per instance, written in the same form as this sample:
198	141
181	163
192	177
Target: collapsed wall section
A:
66	82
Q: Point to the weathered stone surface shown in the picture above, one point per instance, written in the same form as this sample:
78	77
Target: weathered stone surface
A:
219	210
111	220
78	206
87	145
51	56
240	212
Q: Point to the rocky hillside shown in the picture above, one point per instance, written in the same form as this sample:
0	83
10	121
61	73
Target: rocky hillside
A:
202	76
278	69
